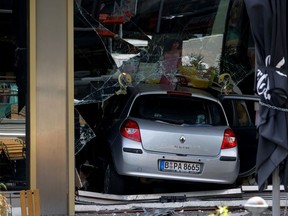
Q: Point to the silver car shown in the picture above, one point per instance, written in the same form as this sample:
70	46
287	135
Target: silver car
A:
156	132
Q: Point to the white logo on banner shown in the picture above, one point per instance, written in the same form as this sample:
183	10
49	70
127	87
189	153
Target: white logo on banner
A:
263	85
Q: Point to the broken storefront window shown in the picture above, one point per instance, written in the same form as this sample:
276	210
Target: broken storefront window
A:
123	43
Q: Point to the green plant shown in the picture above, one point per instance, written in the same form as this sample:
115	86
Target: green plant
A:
196	60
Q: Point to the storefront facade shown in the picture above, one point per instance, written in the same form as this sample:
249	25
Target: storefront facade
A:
65	46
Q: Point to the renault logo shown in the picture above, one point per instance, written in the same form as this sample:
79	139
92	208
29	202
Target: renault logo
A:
182	139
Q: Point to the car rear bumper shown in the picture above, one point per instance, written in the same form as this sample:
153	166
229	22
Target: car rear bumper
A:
140	163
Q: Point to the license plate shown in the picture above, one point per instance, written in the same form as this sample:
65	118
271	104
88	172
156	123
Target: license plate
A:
176	166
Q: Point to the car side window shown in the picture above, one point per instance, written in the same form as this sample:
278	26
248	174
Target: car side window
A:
243	118
115	106
237	113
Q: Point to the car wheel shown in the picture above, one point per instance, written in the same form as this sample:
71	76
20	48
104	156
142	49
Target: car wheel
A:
113	182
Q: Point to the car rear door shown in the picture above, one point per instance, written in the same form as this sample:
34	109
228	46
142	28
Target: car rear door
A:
242	113
180	124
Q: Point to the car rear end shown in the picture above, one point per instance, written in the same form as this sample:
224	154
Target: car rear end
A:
176	135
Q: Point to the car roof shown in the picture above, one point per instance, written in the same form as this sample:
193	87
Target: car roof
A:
158	88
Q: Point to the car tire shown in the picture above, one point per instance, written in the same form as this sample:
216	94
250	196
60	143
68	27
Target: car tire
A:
113	182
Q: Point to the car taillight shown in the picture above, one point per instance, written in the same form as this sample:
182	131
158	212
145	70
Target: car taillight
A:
130	130
229	139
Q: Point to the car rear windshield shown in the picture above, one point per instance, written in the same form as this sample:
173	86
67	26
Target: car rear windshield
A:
178	109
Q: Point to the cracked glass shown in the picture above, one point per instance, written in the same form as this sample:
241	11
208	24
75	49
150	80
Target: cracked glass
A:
122	43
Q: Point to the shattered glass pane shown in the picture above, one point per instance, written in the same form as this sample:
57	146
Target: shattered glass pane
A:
120	43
